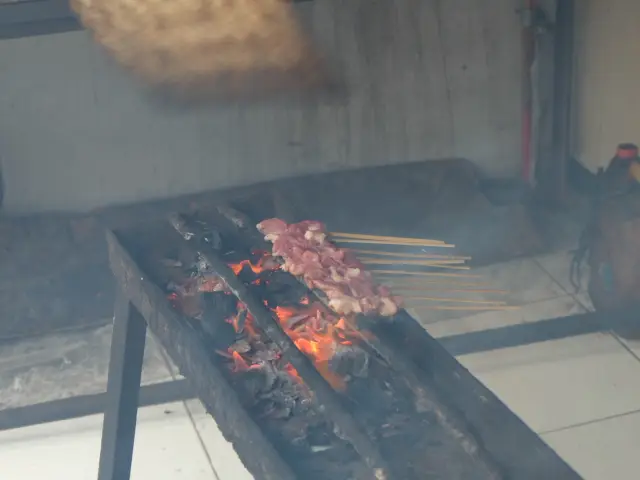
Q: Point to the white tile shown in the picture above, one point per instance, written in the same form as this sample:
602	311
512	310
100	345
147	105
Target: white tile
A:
224	458
532	312
558	265
603	450
166	448
560	383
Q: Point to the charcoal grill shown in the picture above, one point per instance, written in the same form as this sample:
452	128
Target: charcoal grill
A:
456	428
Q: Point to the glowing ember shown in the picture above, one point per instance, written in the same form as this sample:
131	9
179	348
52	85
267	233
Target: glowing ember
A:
293	373
237	267
265	263
317	335
239	363
315	330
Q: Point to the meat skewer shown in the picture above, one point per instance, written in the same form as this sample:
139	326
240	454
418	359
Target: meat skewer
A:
337	273
399	281
398	242
444	289
425	274
419	263
387	238
481	308
458	300
411	255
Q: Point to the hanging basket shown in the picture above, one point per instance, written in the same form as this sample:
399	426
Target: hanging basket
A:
226	48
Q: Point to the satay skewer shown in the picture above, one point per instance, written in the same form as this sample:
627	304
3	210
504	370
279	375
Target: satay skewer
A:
423	274
480	308
457	300
387	238
417	288
419	263
434	256
397	281
394	242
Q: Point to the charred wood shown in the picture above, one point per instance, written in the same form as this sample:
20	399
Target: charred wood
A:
186	348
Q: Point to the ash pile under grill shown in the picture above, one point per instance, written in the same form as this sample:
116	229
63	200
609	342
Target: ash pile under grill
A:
408	431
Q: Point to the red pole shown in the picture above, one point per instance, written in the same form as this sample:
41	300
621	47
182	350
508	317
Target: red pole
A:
528	48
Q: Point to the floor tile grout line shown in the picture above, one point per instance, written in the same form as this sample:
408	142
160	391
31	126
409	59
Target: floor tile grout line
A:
625	346
579	302
574	295
192	420
201	441
557	282
588	422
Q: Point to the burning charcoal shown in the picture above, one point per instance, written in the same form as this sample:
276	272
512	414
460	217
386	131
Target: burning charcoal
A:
350	360
179	222
318	435
394	426
174	287
202	266
269	375
171	263
283	289
281	412
234	216
246	275
189	227
219	334
207	234
320	448
241	346
211	283
241	319
259	381
275	411
267	354
219	305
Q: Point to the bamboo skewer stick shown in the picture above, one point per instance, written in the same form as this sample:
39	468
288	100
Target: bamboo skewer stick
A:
420	263
417	261
395	242
425	274
485	308
458	300
410	255
386	237
394	280
447	290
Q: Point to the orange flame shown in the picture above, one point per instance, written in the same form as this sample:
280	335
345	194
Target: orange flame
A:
317	335
237	267
293	373
239	363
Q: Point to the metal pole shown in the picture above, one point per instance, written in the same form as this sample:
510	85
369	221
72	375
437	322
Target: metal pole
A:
123	386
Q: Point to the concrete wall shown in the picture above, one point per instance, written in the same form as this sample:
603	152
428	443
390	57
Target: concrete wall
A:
428	78
607	103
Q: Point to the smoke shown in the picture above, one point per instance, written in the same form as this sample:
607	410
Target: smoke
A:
207	49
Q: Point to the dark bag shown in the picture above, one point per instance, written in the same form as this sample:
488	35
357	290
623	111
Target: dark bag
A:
614	252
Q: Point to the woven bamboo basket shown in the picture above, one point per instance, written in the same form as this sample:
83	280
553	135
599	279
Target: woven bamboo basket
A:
215	47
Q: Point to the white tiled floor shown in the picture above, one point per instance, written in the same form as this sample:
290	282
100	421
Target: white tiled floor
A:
581	394
167	447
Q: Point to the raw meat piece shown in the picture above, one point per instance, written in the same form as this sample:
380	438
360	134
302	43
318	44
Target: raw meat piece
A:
336	272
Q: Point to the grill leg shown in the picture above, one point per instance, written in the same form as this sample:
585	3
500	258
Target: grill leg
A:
123	386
